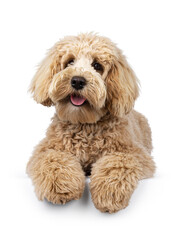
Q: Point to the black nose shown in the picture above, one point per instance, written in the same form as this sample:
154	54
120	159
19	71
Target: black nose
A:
78	82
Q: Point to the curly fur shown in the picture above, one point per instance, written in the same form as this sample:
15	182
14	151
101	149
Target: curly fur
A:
104	137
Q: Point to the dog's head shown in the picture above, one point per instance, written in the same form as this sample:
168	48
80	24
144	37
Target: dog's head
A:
85	77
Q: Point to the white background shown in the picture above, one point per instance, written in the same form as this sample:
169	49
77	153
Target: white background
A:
148	33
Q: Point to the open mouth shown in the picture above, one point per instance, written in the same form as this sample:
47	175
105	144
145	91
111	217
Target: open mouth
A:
77	100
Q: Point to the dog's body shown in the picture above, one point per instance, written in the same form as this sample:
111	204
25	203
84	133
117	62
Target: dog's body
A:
94	131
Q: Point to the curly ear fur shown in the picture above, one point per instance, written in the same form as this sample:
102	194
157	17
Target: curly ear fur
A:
122	87
41	81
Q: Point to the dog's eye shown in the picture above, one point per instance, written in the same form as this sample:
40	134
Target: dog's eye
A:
97	66
69	62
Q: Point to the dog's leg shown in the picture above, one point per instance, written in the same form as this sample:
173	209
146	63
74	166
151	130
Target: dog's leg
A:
114	178
57	176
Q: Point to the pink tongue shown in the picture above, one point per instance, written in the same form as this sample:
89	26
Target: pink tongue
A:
77	100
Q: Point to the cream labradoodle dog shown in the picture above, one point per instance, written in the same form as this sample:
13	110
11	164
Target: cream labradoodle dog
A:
95	130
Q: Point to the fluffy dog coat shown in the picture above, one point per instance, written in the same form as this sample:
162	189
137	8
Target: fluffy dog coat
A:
95	129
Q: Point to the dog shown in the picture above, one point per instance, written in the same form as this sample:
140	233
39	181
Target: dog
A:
95	130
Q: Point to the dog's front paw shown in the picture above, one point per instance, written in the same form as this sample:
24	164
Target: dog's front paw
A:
109	194
62	189
111	189
57	177
113	180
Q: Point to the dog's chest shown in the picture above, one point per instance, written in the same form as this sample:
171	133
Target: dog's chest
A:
87	142
88	146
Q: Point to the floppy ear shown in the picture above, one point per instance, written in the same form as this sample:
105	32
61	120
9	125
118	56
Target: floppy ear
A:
122	87
41	81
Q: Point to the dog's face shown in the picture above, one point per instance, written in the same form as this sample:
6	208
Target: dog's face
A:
85	77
